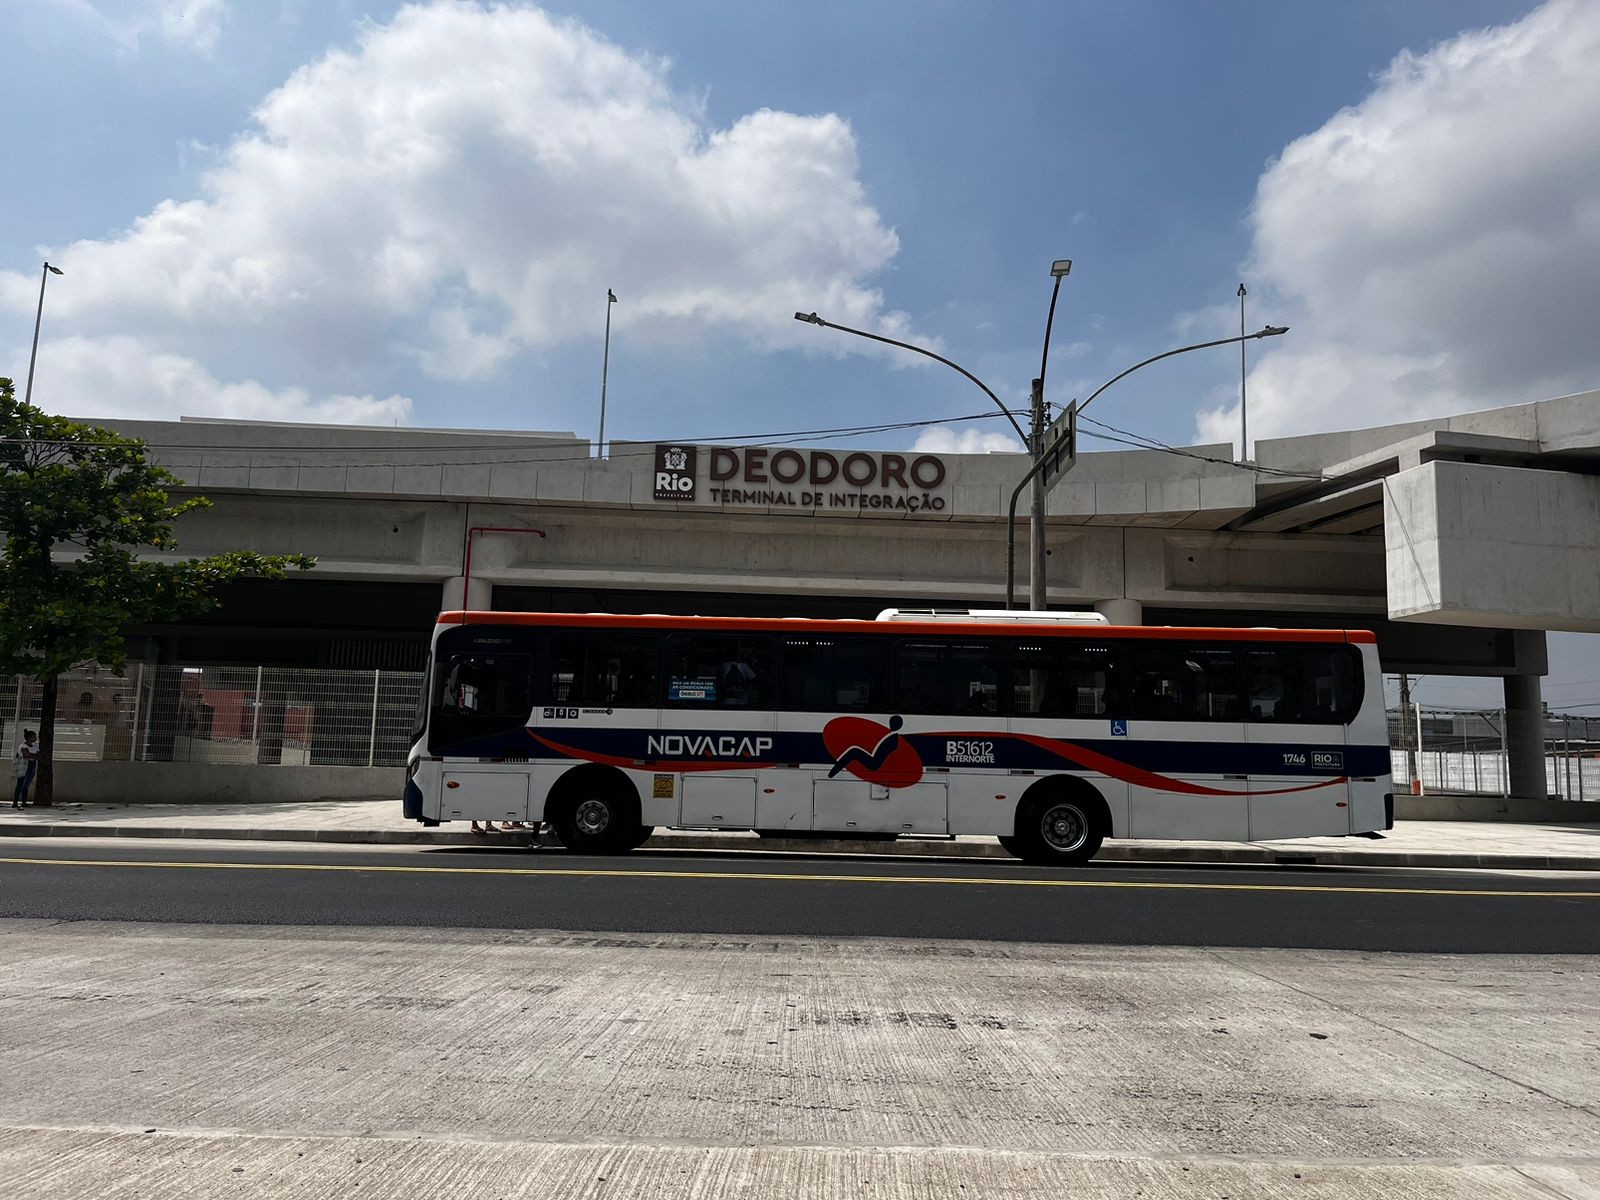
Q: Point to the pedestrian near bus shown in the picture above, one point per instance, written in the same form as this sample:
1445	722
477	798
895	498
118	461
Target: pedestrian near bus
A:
24	765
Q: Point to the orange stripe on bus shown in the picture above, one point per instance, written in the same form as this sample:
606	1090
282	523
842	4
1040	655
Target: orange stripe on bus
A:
1011	629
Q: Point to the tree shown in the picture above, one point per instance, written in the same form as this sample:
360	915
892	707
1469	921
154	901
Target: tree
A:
78	506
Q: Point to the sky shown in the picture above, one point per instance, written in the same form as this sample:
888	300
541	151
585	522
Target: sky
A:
326	210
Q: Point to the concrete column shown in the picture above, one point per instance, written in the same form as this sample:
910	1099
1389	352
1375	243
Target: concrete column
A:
1525	737
482	598
1121	611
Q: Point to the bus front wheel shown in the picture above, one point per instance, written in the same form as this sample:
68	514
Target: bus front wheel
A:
596	816
1058	828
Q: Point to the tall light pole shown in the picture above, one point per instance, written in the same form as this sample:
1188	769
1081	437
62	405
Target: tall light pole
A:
605	370
1037	600
1039	464
27	395
1244	411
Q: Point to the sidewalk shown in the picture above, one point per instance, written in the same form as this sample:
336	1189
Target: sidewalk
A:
1570	846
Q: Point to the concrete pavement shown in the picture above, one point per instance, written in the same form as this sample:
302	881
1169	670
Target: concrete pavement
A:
1548	846
264	1061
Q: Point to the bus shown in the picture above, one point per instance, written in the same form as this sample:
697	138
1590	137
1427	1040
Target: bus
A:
1050	732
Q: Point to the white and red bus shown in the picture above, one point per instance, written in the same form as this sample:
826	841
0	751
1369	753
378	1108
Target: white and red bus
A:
1050	732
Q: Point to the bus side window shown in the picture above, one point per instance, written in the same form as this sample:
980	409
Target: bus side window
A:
1302	684
948	677
602	670
824	674
1175	682
1063	678
719	670
485	686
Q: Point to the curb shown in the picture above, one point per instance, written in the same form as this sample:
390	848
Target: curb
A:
1244	854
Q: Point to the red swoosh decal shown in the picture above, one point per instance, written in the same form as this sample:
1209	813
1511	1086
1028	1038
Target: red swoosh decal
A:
1117	769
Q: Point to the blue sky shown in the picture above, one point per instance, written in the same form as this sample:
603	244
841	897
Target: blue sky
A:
1129	137
345	211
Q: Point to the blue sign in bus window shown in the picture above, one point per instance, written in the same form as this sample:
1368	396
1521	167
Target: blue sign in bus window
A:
692	689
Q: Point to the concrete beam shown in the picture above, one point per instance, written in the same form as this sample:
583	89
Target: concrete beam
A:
1470	544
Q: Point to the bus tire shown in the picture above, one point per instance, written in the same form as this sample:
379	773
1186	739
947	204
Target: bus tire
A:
641	836
594	810
1010	845
1060	823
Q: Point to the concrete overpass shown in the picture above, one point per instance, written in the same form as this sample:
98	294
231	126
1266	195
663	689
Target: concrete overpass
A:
1459	541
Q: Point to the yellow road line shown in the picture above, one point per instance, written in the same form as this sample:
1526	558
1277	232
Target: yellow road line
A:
979	880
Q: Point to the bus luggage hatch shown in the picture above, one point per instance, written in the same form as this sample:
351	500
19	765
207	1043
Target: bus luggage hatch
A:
854	806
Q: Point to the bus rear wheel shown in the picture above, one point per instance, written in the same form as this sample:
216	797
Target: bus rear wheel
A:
1059	828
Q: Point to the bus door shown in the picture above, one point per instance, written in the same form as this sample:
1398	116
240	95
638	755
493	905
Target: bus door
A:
1297	695
479	710
717	723
1185	728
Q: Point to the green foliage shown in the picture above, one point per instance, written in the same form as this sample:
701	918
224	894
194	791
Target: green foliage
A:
78	506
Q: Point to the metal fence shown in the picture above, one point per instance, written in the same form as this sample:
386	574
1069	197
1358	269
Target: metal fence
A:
1464	750
276	716
271	716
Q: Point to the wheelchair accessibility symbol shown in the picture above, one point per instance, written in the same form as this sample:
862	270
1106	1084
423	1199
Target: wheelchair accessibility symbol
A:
1119	729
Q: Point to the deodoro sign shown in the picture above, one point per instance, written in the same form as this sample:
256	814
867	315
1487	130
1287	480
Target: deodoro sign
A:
762	476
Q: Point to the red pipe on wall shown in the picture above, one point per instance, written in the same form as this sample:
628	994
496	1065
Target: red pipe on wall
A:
466	583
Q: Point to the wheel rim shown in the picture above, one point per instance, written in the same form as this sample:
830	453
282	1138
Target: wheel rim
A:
592	817
1064	827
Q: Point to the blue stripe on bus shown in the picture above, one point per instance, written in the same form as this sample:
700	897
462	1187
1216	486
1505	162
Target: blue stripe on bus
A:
1307	759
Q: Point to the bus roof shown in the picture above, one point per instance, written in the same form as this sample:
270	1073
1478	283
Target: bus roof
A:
900	628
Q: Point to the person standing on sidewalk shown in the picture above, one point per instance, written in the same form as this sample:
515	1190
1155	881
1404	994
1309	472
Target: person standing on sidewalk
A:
24	765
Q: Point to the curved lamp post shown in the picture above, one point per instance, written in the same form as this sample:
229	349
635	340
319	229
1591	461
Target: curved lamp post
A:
44	275
1033	439
813	319
1039	463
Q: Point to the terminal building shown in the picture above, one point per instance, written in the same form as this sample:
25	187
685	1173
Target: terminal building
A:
1459	541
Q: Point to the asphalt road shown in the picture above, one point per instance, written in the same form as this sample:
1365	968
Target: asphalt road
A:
656	893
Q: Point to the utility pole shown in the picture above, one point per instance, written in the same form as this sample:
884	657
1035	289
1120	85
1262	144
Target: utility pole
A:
1406	717
605	369
1038	598
1244	409
1037	601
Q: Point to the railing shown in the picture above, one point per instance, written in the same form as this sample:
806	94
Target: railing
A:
269	716
1464	751
302	716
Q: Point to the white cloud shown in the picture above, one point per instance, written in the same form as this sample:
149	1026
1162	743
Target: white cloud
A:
460	187
188	24
126	377
1433	247
944	440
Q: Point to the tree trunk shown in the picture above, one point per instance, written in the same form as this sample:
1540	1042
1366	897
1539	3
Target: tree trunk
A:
44	785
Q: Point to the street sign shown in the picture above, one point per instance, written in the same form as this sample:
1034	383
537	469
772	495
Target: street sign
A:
1060	451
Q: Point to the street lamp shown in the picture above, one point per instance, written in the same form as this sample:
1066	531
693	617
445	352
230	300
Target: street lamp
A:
813	319
1033	439
1037	600
1039	463
27	395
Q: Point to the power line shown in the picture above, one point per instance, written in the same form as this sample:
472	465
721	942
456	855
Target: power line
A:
1141	441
